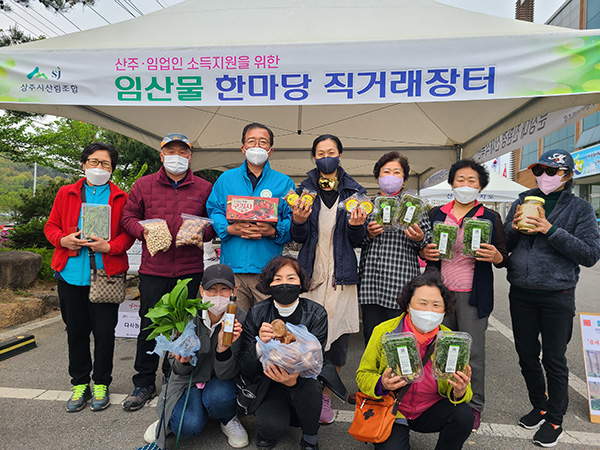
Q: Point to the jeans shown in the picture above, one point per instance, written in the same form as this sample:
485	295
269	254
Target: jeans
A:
551	316
217	399
453	422
152	288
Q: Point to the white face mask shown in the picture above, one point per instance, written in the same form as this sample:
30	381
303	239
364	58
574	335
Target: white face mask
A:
176	164
97	176
219	302
286	311
425	321
257	156
465	194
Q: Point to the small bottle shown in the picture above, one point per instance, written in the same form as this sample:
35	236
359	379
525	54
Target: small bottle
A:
228	321
530	208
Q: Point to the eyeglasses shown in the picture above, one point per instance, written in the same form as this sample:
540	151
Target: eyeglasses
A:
97	162
539	170
262	143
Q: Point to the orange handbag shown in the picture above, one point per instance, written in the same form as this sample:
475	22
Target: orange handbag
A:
373	418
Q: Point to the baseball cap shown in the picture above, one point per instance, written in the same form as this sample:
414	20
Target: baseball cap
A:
561	159
175	137
218	273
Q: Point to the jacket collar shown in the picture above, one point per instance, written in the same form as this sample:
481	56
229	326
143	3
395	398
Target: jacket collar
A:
475	211
265	171
75	188
345	180
164	179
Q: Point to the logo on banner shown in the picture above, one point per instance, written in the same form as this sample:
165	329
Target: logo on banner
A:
37	73
579	164
587	323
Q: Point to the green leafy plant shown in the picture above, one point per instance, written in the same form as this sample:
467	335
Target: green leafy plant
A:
409	211
173	311
452	352
385	210
404	343
451	231
470	226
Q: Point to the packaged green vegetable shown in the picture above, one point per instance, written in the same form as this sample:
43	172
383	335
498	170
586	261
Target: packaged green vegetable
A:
444	238
384	211
476	232
403	356
409	211
451	354
95	221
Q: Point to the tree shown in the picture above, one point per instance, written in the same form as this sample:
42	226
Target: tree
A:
14	36
56	5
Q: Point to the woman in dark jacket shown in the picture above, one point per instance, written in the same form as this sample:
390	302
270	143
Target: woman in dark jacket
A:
329	237
289	398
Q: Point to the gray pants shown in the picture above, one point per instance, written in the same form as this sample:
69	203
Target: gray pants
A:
466	318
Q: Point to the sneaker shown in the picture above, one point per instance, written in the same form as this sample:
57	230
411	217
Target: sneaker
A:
327	414
548	435
352	398
306	446
150	434
533	420
81	394
477	419
236	433
264	444
139	397
100	399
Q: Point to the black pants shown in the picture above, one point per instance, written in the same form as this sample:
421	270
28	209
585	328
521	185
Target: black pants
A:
83	317
283	406
373	315
152	288
453	422
551	316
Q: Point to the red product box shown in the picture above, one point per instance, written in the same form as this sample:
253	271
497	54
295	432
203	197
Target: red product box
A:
252	209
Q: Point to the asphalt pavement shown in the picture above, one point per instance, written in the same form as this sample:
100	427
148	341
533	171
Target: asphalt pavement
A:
34	387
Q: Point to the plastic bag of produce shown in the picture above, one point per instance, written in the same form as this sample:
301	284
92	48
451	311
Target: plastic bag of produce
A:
186	345
409	211
159	237
476	232
191	230
451	354
403	356
444	238
304	356
95	221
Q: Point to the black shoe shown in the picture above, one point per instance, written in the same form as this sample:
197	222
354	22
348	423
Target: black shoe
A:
306	446
533	420
265	444
548	435
139	397
352	399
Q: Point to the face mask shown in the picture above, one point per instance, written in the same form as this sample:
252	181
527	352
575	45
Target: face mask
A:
286	311
548	184
390	184
176	164
328	164
465	194
219	302
425	321
257	156
285	294
97	176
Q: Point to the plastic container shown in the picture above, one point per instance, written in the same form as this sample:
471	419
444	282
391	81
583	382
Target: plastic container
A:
410	208
355	200
529	208
451	354
476	232
95	221
384	211
444	238
403	356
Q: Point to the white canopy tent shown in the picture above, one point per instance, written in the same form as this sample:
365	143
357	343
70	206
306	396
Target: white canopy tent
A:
499	190
321	35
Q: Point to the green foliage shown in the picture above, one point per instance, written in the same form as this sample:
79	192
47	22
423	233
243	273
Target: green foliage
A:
470	225
53	5
14	36
381	204
409	211
31	234
446	340
391	344
46	273
173	311
39	207
451	231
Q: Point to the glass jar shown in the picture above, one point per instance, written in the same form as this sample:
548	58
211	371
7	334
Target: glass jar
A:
530	208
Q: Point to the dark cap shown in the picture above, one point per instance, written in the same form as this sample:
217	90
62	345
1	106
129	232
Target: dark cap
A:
561	159
175	137
218	273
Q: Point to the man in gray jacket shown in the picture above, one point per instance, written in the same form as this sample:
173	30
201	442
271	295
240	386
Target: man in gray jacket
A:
543	270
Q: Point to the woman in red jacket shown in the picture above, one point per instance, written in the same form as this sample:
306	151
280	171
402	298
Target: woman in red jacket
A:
71	261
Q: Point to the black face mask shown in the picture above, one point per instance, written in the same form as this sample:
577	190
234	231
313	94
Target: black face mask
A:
285	294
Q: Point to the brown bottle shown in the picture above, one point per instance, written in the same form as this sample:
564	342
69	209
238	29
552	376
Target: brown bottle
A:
228	321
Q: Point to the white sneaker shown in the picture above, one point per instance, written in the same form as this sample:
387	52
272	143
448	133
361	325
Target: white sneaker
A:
151	432
236	434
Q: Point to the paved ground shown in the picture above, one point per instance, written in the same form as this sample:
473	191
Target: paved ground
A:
34	387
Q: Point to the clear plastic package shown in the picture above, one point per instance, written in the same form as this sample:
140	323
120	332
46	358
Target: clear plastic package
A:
95	221
403	356
476	232
384	211
355	200
191	230
451	354
159	237
408	213
444	238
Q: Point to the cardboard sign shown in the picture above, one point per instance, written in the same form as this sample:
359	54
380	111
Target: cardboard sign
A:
590	337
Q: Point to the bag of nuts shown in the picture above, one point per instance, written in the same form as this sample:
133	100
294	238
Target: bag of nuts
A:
191	230
159	236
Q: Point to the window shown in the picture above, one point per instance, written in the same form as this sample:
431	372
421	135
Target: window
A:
529	155
563	139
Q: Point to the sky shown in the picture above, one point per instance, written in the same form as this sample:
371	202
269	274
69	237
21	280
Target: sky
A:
36	20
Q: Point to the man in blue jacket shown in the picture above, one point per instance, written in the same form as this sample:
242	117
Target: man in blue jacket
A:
247	247
543	270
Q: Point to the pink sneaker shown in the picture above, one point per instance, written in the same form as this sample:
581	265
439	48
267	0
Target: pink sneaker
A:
327	414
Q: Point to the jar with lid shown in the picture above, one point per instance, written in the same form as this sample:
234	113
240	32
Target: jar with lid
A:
530	208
